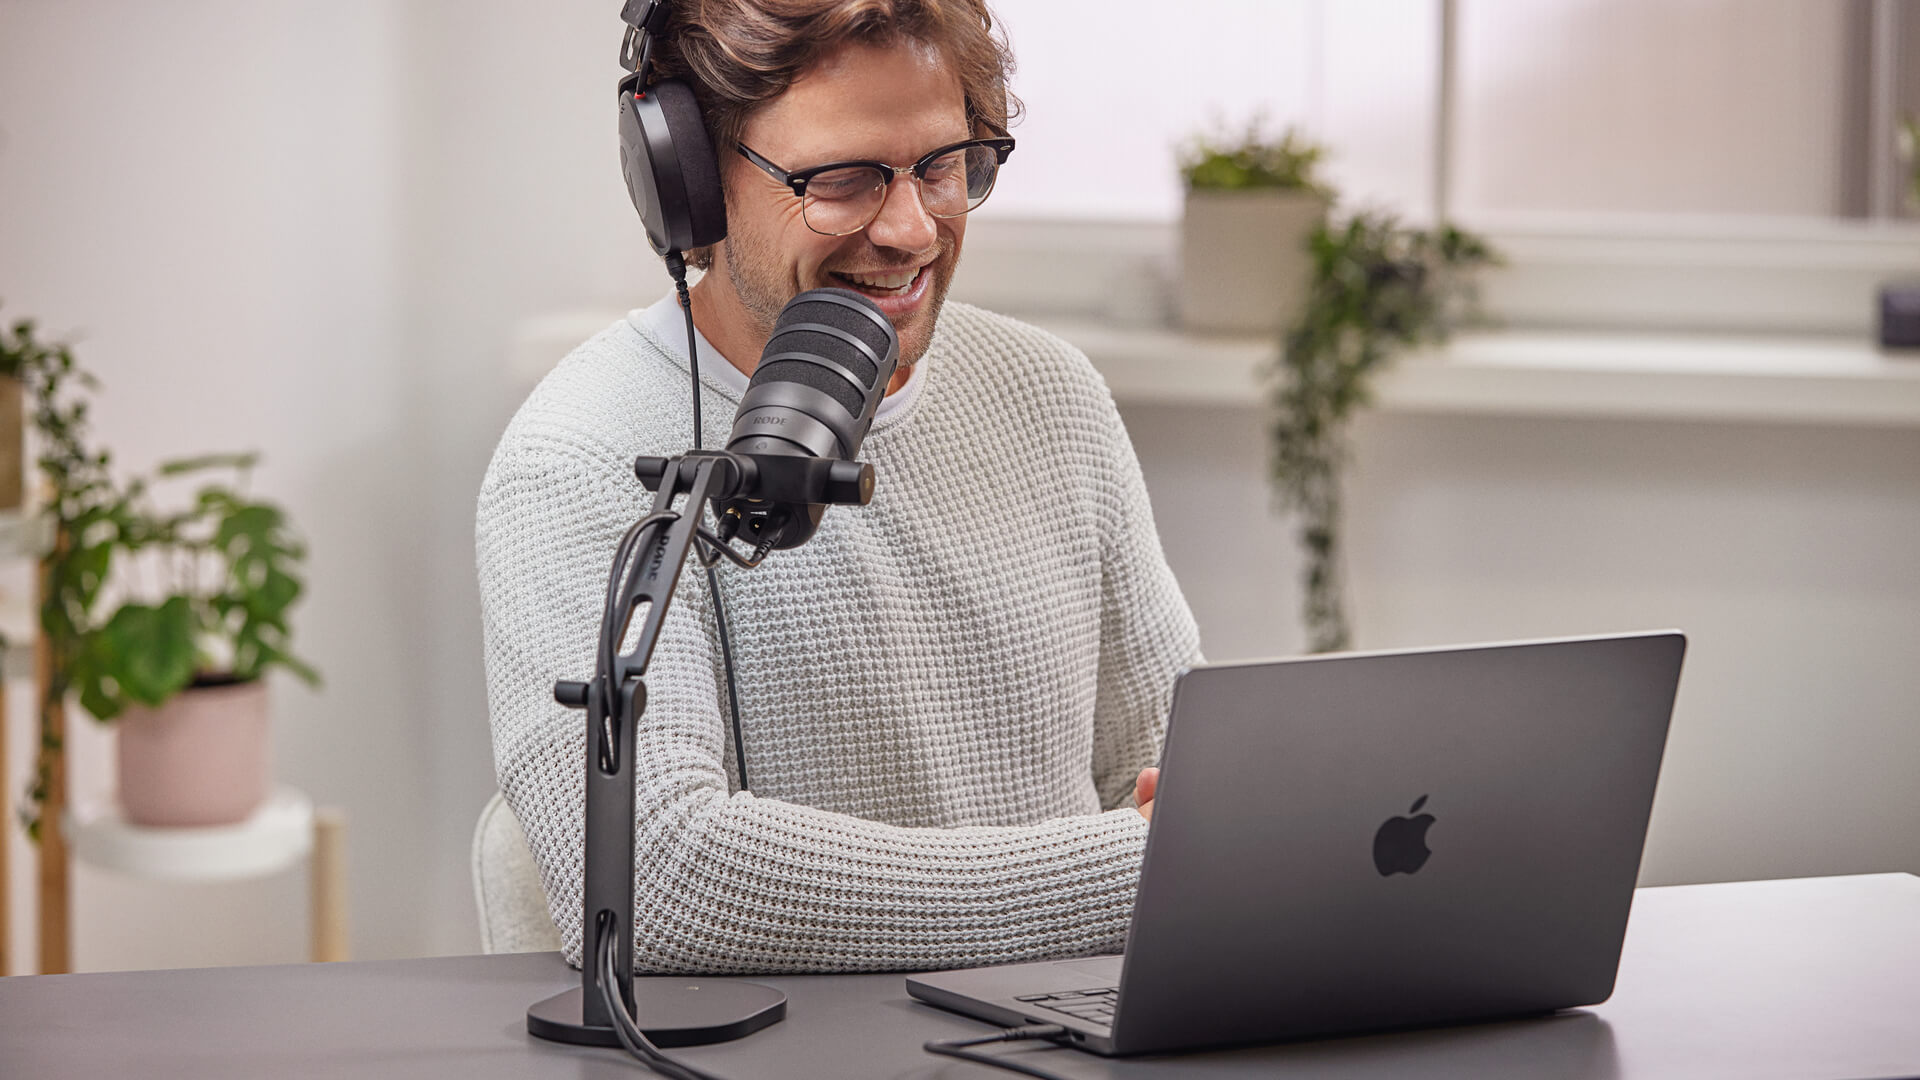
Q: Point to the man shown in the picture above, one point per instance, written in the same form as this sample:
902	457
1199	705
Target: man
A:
948	696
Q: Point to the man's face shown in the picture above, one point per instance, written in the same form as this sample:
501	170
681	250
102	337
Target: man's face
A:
890	104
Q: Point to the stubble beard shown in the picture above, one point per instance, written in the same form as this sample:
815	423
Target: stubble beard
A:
764	297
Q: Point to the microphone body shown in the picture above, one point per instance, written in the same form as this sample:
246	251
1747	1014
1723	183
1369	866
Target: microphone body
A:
813	395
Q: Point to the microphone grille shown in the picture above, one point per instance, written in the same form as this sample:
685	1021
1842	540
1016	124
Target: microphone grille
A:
810	374
815	343
848	312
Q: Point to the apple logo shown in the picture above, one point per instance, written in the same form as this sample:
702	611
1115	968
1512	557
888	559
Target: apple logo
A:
1400	847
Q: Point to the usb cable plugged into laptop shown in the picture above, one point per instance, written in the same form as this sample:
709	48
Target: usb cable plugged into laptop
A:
957	1048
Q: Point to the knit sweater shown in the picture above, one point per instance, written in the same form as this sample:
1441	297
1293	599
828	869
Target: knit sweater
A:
946	695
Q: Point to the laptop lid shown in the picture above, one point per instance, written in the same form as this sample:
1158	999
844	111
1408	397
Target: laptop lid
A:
1372	840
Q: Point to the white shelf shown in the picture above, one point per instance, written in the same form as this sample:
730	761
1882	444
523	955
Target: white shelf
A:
1754	378
1727	378
278	835
24	535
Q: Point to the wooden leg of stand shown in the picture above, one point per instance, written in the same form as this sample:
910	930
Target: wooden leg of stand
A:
6	832
56	941
329	882
56	944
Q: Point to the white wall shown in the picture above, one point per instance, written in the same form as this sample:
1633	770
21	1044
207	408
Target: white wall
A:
515	207
1786	553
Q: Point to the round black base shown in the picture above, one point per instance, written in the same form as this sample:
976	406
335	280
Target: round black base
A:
672	1012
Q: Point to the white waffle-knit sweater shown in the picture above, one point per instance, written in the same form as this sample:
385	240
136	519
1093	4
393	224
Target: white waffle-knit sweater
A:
946	695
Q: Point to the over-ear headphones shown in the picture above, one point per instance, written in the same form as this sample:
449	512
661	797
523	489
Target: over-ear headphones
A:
665	153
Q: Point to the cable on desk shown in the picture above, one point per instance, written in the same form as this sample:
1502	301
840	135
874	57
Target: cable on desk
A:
957	1048
631	1037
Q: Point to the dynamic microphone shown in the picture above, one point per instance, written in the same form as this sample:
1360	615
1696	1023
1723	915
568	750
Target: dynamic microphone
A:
813	395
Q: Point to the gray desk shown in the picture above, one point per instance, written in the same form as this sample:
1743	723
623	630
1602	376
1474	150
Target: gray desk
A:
1811	978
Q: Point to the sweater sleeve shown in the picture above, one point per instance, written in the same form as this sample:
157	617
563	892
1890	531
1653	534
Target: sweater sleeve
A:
1147	632
726	881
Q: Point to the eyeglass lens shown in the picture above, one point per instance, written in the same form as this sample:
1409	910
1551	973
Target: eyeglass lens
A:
843	201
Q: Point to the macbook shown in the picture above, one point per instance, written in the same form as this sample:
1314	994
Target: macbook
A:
1361	841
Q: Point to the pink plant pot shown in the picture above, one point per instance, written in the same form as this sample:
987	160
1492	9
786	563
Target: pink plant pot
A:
200	759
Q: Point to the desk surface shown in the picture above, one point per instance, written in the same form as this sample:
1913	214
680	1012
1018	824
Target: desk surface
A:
1811	978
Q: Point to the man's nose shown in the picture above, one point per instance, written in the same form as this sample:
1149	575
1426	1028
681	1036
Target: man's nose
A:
903	221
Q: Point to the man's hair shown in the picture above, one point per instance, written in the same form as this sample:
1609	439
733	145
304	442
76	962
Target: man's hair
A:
737	55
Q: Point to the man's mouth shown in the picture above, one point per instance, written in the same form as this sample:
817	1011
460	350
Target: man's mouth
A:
883	283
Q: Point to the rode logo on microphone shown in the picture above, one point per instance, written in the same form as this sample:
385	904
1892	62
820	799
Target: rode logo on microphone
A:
769	419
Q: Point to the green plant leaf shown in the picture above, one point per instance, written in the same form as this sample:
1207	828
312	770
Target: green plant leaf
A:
99	698
180	466
149	651
300	669
249	527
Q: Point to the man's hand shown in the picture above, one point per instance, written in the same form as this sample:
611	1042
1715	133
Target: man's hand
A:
1143	791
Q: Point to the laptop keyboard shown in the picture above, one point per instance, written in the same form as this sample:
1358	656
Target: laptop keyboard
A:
1093	1006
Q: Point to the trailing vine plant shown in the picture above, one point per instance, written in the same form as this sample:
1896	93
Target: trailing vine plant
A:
220	574
77	486
1378	288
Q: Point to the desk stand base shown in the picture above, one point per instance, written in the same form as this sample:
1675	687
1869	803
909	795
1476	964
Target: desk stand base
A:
672	1012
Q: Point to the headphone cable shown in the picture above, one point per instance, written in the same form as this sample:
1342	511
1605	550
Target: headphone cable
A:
677	268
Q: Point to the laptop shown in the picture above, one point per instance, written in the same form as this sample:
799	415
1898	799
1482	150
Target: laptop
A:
1363	841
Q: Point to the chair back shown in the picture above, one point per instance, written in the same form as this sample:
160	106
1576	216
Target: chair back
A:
506	886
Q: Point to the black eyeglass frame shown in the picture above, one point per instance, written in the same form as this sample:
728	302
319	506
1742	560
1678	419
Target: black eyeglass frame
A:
797	180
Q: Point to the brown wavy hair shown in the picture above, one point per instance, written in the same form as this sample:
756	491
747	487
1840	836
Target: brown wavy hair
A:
736	55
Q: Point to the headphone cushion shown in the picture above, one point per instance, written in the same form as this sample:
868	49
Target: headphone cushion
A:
699	169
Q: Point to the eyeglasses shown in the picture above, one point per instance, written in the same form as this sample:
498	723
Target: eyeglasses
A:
844	197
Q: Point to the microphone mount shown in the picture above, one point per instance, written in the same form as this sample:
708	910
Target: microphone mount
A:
759	487
646	573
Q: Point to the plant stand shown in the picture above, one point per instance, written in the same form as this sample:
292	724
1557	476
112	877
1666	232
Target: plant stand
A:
6	841
22	536
282	832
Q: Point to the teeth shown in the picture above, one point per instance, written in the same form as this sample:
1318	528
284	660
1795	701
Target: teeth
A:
890	282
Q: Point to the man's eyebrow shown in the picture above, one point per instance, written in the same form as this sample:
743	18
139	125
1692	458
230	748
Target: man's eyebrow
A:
969	137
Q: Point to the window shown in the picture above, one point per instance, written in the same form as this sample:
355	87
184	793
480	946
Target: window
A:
1744	108
1114	87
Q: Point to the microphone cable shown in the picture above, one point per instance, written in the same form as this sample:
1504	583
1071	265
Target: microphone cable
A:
958	1048
642	1049
631	1037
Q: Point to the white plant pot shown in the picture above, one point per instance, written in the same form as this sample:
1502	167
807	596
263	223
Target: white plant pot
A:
200	759
1244	265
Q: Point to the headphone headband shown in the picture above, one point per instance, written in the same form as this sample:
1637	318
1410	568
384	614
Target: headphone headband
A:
644	19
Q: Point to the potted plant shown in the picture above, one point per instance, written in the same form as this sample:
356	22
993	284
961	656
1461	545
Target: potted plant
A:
179	662
165	620
1376	289
1252	201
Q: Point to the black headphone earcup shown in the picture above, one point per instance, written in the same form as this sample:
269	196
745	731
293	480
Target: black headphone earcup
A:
699	165
671	171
